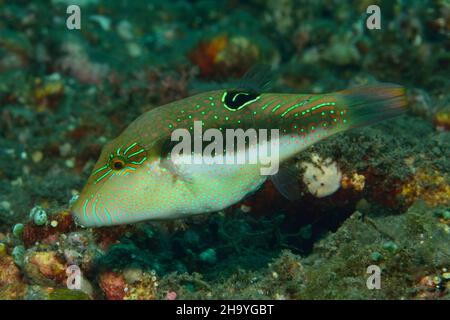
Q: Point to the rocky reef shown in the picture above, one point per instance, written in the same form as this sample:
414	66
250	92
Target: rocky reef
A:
373	196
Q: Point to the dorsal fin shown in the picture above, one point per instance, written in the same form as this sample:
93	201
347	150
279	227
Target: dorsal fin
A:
257	79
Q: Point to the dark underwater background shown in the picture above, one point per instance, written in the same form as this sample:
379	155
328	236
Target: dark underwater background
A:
65	93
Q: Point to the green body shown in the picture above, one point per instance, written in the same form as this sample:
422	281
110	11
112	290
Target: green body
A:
135	180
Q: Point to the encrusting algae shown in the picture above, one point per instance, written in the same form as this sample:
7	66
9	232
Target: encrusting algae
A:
433	188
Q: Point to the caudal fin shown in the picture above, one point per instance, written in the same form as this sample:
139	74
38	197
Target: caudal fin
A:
370	104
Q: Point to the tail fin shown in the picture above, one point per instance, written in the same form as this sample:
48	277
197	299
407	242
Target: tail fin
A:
370	104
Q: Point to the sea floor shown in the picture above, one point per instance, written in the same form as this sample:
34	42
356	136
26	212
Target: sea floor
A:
385	232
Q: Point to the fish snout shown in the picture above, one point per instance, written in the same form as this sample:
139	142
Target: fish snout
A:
77	214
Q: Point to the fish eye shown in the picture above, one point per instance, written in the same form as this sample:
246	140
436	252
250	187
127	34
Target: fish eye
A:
117	163
128	158
237	99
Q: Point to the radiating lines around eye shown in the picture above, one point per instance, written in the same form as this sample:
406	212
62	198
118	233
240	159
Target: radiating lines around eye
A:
135	154
103	176
140	162
124	172
129	159
129	148
100	169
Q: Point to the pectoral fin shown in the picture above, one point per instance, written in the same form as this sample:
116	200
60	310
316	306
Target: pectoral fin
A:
286	182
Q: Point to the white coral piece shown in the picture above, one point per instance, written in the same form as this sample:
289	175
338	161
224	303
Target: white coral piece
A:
322	177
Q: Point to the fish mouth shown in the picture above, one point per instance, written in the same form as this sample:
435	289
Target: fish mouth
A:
85	213
76	212
76	219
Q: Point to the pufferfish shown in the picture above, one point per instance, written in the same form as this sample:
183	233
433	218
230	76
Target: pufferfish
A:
136	179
